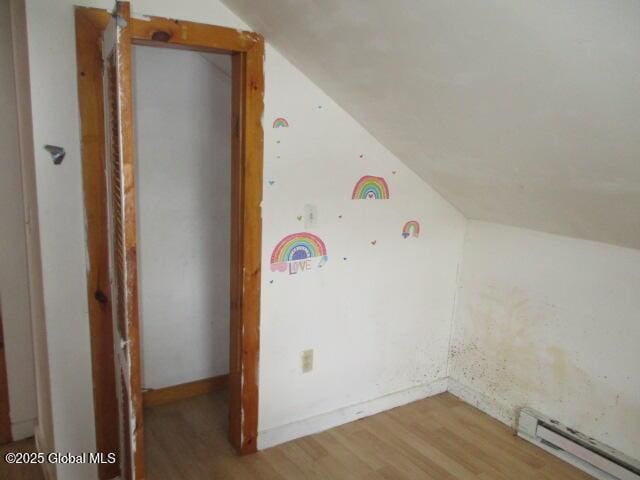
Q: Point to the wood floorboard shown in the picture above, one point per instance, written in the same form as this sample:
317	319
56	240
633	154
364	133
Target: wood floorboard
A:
439	438
19	472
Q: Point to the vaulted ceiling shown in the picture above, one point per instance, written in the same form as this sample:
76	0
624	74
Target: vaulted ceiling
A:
519	112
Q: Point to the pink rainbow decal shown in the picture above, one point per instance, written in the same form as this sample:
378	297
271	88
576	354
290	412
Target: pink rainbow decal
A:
297	247
280	122
371	188
412	227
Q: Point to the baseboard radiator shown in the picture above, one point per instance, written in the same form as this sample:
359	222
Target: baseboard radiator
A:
582	451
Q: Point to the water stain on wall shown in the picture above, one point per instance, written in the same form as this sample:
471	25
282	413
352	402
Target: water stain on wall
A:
503	351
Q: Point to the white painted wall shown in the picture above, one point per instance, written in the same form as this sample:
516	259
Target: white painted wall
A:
377	316
551	323
44	429
183	129
379	321
54	102
14	279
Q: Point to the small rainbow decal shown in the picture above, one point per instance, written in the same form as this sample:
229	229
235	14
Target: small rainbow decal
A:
280	122
370	187
297	248
411	228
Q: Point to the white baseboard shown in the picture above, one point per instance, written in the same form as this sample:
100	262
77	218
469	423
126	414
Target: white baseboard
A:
23	429
506	415
318	423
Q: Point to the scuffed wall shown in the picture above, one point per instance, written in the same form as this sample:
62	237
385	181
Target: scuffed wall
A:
541	320
377	313
183	119
44	429
551	323
14	279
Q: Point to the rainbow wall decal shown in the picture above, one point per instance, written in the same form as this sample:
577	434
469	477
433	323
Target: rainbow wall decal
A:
370	187
280	122
411	228
294	253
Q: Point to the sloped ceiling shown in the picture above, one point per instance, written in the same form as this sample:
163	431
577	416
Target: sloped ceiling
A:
519	112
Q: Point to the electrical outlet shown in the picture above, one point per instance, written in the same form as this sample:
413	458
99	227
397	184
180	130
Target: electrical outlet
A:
307	361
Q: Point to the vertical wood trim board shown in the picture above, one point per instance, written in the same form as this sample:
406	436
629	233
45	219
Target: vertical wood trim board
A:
247	50
90	88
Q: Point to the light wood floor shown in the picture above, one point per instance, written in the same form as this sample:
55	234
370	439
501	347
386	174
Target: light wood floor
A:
19	472
440	438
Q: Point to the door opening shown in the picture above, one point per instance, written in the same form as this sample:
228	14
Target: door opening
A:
113	230
183	150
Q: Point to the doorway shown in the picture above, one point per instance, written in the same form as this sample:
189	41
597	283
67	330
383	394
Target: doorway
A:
116	346
182	105
182	112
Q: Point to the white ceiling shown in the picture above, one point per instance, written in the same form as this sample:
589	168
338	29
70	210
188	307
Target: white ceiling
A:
522	112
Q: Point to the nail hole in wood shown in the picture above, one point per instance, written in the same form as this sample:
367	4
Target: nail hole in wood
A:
100	296
160	36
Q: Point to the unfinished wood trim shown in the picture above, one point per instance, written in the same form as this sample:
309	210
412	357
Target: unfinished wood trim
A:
246	235
235	278
5	419
158	31
90	87
247	49
126	196
131	242
182	391
251	161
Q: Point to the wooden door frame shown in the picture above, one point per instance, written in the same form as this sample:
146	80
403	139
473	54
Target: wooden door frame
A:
247	52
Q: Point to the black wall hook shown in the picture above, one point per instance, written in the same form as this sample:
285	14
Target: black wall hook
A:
57	153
